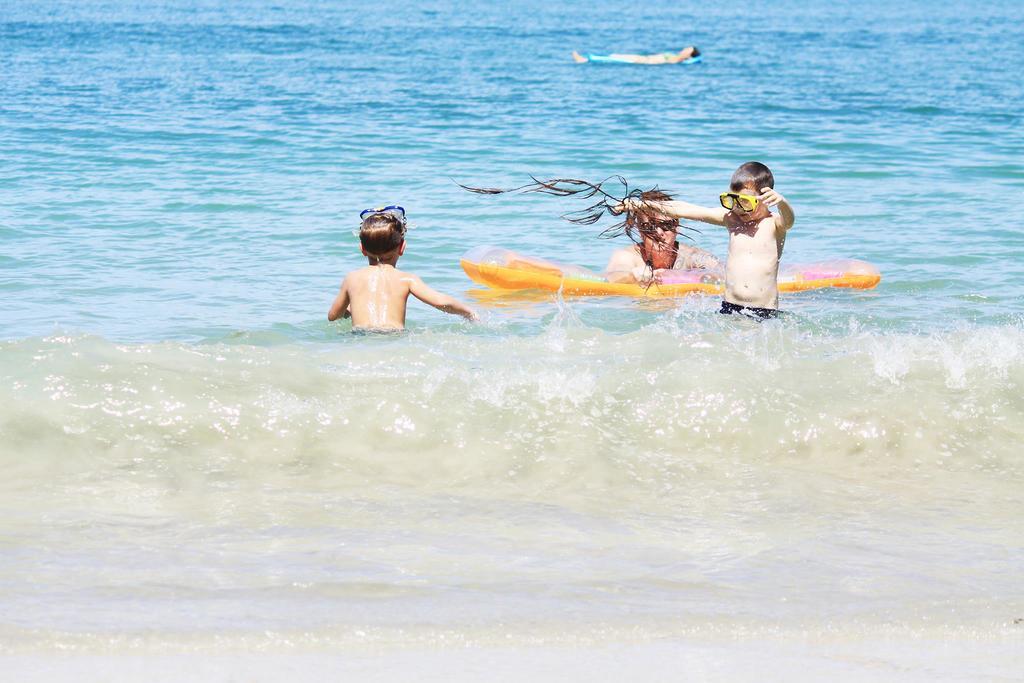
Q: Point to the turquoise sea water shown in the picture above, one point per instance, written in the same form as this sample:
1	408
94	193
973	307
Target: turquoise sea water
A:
193	169
199	462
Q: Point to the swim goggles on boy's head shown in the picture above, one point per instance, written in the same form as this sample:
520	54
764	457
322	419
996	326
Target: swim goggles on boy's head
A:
394	210
747	202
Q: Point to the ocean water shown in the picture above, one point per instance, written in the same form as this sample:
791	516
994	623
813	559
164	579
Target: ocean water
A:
204	475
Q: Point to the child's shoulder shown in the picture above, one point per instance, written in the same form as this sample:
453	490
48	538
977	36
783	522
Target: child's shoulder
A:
405	275
388	271
354	277
776	222
768	222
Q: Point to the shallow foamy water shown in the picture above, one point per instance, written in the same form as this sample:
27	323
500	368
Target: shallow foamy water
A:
578	488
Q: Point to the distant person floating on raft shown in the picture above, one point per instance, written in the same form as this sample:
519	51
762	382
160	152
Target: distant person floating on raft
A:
688	55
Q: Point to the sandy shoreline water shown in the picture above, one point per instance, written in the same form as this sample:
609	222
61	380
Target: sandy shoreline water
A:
925	659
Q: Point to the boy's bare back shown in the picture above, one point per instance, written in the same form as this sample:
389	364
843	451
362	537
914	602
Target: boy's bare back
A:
376	296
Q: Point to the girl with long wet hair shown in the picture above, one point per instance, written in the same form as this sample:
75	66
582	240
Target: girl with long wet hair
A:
655	247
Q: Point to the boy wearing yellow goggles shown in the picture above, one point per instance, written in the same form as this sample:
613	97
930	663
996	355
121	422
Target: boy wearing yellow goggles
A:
746	202
756	236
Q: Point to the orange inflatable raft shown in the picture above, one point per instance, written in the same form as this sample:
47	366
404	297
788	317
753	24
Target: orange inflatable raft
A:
500	268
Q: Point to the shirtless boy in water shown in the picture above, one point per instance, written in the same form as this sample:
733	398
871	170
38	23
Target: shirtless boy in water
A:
756	236
657	251
376	296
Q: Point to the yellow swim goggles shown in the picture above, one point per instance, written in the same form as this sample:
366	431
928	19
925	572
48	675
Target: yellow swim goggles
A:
747	202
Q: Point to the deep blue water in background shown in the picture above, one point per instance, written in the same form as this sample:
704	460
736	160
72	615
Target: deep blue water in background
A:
189	169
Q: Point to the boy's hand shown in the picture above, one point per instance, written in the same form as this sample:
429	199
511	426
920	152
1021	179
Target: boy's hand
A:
627	204
770	197
784	218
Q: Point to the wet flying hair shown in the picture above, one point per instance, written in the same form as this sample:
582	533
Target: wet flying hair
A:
645	222
696	52
381	233
636	223
752	173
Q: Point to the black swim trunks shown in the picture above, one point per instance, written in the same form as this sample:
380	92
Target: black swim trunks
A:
729	308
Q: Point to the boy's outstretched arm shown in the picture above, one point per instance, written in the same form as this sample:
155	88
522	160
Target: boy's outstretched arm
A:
786	217
340	306
679	209
440	301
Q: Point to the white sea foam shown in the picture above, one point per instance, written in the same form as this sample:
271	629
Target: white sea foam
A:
484	486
